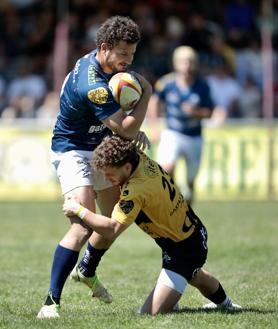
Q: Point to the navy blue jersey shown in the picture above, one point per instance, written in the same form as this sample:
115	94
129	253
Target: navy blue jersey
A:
173	96
85	101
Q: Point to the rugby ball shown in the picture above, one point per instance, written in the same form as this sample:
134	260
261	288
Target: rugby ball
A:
126	90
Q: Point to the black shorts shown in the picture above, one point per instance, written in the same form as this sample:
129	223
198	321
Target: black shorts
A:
185	257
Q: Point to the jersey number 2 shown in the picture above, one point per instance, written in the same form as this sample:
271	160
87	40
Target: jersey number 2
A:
167	184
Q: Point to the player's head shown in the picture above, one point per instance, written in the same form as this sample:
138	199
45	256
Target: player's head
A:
116	41
116	158
185	60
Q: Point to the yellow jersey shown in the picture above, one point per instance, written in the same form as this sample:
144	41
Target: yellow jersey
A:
152	200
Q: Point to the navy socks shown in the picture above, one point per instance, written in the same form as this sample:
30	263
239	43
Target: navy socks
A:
63	262
219	296
90	260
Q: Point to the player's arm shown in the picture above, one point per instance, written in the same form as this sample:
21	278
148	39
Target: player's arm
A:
202	110
105	226
128	126
196	111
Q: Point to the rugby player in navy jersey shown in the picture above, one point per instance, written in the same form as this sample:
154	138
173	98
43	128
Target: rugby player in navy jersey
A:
150	198
187	100
88	113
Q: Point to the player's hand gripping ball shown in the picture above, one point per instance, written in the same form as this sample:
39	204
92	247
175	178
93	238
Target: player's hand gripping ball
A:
126	90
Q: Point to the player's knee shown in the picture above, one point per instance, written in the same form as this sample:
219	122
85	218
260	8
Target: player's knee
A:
80	231
198	278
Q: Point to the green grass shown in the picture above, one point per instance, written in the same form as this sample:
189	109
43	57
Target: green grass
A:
243	254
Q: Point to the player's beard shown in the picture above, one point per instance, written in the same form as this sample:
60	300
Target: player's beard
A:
111	65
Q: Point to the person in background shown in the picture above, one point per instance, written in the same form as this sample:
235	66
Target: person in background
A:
250	100
150	198
49	107
25	92
225	93
187	100
88	113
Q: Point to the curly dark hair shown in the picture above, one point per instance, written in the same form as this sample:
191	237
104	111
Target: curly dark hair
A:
118	28
114	151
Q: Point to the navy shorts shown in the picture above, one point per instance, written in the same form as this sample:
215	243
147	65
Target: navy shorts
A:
185	257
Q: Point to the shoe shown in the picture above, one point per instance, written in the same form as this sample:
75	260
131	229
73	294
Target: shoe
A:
49	312
93	283
229	307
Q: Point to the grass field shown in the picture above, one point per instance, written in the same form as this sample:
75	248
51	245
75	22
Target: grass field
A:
243	253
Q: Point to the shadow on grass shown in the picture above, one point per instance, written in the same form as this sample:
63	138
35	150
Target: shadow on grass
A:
243	310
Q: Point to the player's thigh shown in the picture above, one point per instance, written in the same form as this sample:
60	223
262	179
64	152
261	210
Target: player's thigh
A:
188	256
74	171
80	232
191	150
85	195
167	292
168	149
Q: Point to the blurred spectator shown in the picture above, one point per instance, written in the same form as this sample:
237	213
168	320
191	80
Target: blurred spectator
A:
25	92
13	44
214	29
250	102
225	92
249	62
219	50
174	31
239	22
197	34
49	107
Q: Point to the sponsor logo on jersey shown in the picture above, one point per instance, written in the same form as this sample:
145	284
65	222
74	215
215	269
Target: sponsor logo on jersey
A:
98	95
96	129
126	206
91	75
76	71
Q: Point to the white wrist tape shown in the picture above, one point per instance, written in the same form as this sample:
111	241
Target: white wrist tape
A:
81	212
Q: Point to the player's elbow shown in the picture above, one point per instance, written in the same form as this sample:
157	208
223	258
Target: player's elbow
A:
107	232
114	230
127	132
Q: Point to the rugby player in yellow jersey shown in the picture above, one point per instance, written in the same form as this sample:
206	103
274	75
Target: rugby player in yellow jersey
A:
150	198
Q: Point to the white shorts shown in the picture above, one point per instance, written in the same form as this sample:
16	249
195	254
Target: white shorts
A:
172	280
74	170
174	145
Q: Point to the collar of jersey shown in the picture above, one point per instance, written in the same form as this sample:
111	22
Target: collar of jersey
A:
94	61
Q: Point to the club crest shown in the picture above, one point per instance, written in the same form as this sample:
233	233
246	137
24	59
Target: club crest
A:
126	206
98	95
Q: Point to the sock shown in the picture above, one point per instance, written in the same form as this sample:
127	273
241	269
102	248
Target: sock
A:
52	300
219	297
90	260
63	262
227	302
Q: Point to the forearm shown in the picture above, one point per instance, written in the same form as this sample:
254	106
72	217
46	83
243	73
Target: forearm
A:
132	122
101	224
202	113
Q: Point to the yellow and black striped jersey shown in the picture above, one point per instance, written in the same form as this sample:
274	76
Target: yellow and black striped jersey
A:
152	200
